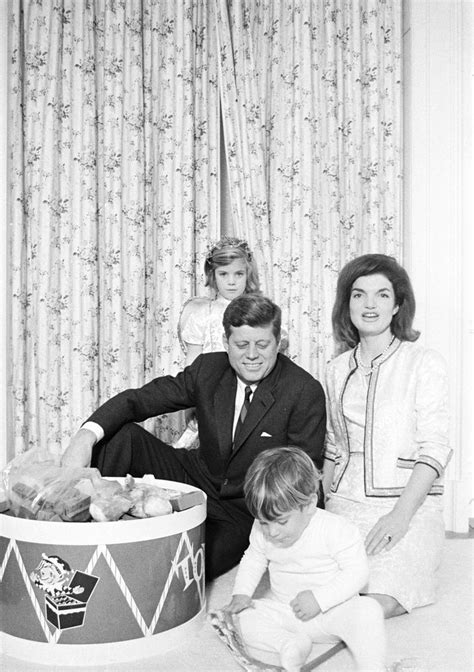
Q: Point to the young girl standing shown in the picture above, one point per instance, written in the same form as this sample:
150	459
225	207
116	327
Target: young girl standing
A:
230	271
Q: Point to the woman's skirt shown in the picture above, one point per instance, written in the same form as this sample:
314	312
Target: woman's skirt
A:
408	571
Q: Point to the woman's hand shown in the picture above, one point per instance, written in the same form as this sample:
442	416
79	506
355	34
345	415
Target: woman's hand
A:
386	532
305	606
239	603
392	527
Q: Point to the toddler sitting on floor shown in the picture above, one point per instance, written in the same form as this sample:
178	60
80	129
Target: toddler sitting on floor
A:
317	564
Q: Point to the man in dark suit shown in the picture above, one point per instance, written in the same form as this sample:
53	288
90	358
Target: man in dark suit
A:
284	405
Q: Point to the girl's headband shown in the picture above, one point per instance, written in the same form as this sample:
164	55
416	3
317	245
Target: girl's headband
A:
227	242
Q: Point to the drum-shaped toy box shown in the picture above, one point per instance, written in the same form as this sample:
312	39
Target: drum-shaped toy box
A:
101	592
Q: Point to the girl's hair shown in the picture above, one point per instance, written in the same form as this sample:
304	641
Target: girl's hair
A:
280	480
370	264
223	253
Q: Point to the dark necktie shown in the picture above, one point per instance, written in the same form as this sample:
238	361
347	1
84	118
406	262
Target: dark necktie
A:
243	411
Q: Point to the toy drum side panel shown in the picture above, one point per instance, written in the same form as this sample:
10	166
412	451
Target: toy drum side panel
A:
137	594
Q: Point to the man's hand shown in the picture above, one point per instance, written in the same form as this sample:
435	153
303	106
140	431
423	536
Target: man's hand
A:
239	603
79	451
305	606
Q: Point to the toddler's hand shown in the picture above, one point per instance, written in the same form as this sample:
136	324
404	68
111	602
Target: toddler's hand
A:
239	603
305	605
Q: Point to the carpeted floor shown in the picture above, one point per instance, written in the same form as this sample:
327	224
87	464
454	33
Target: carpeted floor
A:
439	636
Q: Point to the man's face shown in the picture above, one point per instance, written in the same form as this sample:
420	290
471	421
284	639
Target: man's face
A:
252	352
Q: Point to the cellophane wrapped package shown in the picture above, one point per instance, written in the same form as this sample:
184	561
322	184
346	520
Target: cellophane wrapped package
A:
37	487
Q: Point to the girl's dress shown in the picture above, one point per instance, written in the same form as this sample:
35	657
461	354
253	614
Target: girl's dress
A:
408	571
201	323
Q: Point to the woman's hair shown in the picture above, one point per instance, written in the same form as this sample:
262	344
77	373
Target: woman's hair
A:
280	480
253	310
370	264
223	253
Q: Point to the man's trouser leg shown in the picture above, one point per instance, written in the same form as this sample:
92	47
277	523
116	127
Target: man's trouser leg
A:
133	450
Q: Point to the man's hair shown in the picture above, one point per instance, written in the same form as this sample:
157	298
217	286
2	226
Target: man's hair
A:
253	310
280	480
371	264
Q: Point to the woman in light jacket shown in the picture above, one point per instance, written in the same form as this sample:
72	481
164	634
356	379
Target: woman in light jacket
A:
387	440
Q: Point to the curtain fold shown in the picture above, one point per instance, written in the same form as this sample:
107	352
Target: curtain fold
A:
114	151
311	97
243	114
115	193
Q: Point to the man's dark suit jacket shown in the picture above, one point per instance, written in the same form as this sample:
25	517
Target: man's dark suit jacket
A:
288	408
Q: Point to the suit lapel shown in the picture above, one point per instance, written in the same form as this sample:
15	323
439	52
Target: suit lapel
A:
262	402
224	407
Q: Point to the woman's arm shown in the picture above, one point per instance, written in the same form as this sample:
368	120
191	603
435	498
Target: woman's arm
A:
392	527
328	473
432	436
331	451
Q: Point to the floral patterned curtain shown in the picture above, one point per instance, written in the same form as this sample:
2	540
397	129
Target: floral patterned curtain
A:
113	116
114	196
311	97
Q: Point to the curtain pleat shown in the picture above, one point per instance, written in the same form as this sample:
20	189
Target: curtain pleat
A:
115	188
114	152
311	96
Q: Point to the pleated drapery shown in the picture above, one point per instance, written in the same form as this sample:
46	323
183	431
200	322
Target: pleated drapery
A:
114	123
311	97
114	151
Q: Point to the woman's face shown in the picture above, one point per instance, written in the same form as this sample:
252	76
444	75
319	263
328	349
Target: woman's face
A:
372	305
231	279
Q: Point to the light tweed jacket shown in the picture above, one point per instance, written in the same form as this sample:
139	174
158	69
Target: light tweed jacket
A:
407	418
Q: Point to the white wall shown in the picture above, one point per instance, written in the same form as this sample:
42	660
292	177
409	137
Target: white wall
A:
3	234
438	210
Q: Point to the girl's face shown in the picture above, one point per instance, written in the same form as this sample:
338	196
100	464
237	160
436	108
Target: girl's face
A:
231	279
372	305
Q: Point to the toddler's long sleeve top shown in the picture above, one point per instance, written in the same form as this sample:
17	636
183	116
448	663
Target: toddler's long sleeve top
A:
329	559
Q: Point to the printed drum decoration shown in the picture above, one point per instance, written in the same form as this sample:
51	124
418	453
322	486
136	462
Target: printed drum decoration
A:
100	593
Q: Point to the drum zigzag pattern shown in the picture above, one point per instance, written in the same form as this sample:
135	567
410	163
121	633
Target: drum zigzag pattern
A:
104	551
175	566
12	547
193	560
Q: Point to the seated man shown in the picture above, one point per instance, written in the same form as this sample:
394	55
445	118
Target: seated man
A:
247	399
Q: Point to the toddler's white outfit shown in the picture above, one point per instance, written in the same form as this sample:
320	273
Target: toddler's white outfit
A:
329	559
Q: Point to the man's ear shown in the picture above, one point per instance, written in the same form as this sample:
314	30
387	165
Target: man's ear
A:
225	342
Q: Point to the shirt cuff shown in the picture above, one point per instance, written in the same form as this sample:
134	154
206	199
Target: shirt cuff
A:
95	429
